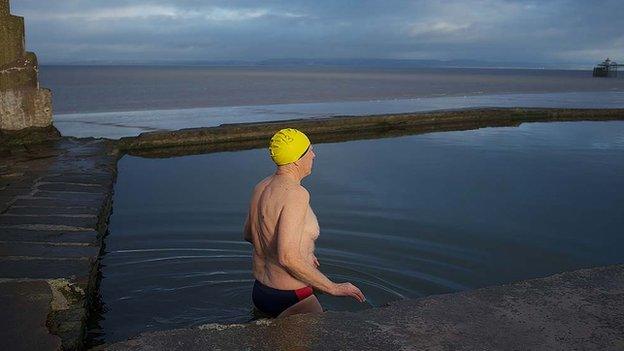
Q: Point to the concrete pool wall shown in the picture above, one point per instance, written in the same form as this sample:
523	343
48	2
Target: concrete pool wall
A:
343	128
64	178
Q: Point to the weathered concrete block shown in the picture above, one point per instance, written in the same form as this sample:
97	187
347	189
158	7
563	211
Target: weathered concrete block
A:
21	73
4	8
11	38
25	108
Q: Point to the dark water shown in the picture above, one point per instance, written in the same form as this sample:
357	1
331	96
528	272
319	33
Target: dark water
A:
401	218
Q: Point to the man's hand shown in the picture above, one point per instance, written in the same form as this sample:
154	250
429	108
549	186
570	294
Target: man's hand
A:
348	289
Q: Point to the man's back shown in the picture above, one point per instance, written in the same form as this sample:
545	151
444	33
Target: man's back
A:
267	201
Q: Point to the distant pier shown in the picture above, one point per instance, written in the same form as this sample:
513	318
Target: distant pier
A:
607	68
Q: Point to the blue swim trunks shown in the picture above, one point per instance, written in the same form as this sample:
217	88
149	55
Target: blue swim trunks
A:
275	301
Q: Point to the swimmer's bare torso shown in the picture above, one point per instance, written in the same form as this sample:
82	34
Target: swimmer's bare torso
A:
267	202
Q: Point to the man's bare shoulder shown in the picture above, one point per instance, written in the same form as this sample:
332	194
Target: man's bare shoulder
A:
262	184
298	193
292	192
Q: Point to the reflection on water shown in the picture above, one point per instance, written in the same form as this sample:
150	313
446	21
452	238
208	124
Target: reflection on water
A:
401	218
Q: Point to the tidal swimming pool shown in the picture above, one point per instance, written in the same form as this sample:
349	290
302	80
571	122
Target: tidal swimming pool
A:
401	218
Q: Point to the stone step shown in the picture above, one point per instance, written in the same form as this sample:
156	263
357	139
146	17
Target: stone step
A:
45	202
44	250
98	179
48	236
43	268
75	211
70	195
74	187
8	220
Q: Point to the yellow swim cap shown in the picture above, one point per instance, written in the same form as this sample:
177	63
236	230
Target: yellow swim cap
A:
288	145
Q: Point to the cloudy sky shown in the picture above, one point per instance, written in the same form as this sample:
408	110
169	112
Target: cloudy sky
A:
566	31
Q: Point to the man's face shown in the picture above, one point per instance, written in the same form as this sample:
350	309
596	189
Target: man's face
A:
307	160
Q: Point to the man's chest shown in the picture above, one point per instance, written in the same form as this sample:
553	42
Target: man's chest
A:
311	226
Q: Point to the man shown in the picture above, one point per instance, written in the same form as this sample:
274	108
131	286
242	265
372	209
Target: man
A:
282	228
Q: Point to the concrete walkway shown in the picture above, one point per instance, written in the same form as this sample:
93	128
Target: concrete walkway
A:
54	203
581	310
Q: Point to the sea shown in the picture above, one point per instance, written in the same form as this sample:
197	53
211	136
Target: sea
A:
118	101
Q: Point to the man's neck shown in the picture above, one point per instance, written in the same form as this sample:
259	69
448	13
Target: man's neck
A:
291	174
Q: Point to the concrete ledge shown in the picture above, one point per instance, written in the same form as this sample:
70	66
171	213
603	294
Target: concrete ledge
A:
580	310
341	128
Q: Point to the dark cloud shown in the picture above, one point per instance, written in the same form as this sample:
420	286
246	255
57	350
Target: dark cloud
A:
498	30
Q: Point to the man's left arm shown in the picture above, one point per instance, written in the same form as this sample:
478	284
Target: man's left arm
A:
247	230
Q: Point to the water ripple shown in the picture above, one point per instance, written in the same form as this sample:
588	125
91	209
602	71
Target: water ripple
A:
177	258
174	249
396	239
371	283
407	272
202	283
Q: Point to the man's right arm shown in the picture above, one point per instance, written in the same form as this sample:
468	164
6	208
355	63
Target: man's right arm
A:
289	248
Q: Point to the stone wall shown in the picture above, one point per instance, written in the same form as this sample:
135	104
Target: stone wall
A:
23	104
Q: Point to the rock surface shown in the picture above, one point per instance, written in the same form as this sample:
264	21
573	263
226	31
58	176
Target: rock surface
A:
54	204
580	310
